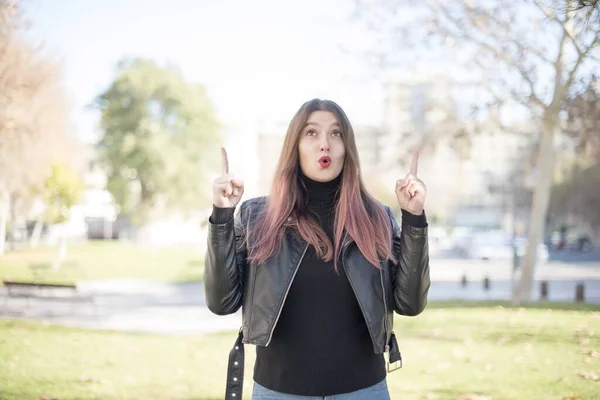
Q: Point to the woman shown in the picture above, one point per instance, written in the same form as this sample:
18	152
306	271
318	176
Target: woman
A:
319	267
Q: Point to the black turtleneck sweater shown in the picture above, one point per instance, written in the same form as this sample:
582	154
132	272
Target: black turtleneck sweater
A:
321	344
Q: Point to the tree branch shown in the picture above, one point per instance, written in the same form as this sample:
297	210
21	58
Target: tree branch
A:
580	59
512	93
562	24
501	56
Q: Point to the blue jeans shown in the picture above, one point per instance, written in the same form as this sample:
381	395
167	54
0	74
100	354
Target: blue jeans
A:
379	391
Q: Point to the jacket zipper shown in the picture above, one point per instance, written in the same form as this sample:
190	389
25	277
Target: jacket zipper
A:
354	290
385	319
385	322
286	293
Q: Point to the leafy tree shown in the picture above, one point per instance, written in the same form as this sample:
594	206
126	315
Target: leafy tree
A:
63	189
160	136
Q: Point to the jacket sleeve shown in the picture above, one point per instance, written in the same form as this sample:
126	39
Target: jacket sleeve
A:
225	264
410	276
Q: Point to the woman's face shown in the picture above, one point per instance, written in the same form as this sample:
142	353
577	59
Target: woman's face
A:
321	147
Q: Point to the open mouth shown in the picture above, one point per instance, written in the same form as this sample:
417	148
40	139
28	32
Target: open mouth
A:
325	161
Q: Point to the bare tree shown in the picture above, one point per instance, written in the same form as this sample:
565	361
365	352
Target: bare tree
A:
529	53
590	8
33	116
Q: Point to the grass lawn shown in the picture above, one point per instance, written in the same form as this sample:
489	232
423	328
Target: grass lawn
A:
107	260
449	352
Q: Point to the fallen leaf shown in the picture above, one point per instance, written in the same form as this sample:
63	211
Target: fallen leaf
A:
583	341
571	397
85	379
458	353
588	375
46	397
437	332
472	396
443	366
562	379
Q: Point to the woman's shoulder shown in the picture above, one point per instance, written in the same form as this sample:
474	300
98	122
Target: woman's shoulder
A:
254	201
253	205
383	206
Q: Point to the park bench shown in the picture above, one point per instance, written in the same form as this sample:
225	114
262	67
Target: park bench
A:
41	270
48	291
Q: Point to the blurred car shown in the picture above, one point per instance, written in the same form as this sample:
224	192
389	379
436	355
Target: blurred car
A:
579	242
496	245
543	255
460	239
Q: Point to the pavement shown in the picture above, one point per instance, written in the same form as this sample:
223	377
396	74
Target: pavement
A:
135	305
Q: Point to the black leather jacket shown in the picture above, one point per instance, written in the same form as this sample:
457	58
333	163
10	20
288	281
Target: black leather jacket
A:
231	282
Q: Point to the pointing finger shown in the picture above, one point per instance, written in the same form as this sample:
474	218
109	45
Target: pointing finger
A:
415	163
400	183
224	162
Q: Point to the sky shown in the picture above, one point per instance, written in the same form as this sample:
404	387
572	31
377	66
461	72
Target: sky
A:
260	60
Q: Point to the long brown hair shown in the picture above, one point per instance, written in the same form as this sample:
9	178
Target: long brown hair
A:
358	215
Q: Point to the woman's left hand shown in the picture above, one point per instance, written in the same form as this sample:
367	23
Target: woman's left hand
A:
411	191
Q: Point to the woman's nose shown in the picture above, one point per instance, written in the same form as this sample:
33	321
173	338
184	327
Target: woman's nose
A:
324	144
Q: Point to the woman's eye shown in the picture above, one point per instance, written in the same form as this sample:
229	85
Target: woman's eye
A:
336	133
311	133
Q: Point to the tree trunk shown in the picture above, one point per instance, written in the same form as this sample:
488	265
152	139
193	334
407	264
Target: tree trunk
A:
539	209
62	250
37	233
12	219
3	220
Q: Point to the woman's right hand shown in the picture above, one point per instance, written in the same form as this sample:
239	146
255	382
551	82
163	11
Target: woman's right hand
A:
227	189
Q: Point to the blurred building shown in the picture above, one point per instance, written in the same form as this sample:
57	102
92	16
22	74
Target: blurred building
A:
419	110
471	168
494	176
98	207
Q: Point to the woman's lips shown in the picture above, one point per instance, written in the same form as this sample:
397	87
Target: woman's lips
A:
325	161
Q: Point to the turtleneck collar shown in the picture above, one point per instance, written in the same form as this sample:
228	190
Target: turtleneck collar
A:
321	193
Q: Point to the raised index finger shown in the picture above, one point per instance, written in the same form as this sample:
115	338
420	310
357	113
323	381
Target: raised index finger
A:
414	165
224	161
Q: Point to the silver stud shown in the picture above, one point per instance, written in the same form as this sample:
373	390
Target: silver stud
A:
235	363
235	379
236	347
232	394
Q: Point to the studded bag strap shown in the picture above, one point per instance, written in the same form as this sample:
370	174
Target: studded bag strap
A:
235	370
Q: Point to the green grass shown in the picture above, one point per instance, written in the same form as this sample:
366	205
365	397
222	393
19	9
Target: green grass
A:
499	352
107	260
